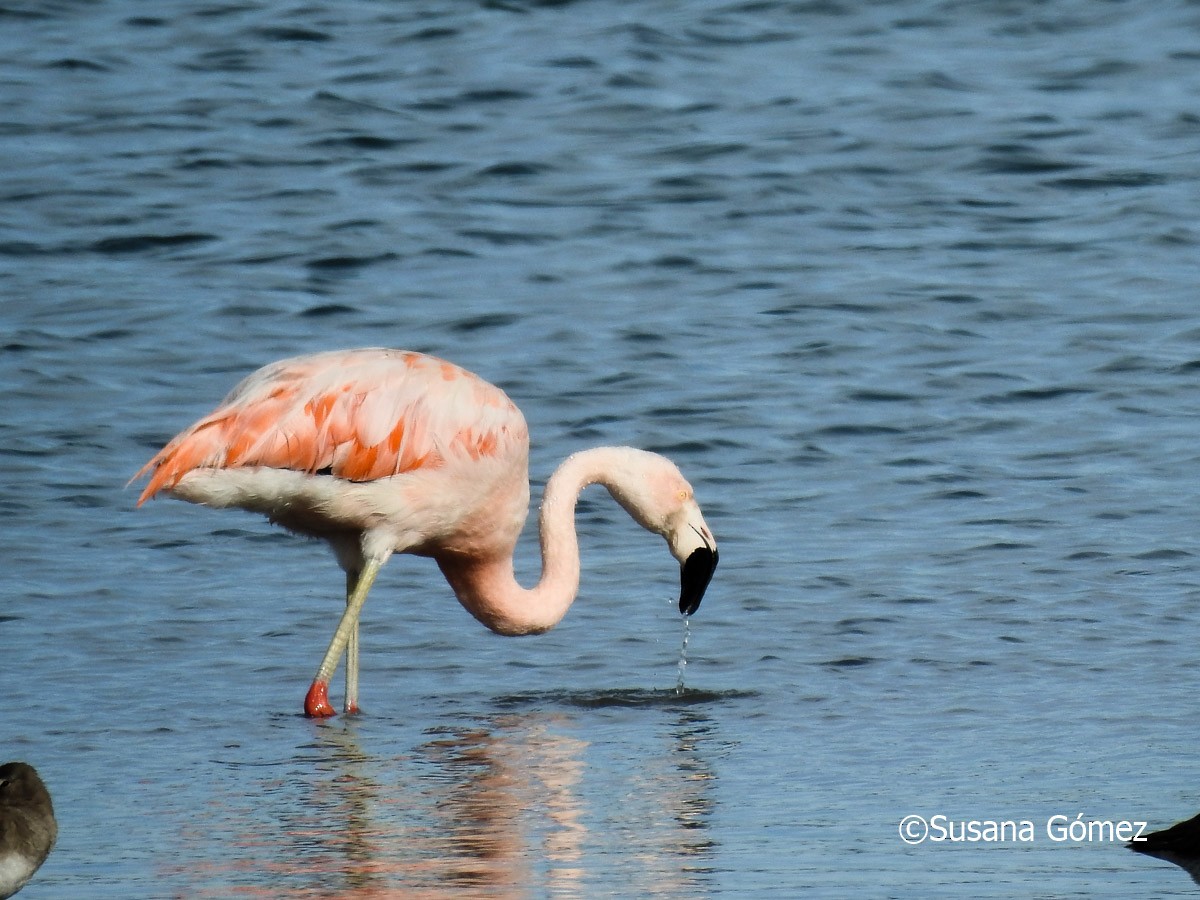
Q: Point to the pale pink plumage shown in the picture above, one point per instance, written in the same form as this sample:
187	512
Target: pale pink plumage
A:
383	451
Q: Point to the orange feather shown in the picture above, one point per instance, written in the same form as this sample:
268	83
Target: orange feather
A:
298	415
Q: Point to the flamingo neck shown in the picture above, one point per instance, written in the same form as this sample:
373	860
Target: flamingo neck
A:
488	587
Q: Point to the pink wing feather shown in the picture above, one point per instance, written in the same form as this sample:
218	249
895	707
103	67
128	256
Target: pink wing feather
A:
360	414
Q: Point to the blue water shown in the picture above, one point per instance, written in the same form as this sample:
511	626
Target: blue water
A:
908	291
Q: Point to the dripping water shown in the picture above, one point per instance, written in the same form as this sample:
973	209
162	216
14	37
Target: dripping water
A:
687	633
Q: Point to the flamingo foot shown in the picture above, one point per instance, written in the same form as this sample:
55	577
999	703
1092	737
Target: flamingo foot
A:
316	701
352	709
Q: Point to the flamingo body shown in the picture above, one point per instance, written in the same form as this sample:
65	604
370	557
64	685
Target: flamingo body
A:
382	451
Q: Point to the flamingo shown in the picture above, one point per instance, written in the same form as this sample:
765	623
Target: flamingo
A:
379	451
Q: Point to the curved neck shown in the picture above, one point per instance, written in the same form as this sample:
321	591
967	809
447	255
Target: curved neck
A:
488	587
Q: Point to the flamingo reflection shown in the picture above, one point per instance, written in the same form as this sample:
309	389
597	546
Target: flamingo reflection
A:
503	806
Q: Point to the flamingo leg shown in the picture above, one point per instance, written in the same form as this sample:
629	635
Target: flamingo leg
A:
352	651
316	703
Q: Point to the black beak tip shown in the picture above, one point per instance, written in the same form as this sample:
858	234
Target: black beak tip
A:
697	572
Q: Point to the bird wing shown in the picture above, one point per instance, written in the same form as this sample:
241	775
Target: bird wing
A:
358	415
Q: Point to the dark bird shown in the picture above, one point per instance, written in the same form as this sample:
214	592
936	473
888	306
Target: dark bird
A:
1179	844
27	826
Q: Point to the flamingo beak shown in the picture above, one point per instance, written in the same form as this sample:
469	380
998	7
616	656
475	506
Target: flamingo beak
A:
696	549
694	577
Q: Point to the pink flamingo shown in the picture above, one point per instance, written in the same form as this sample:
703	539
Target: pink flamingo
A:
387	451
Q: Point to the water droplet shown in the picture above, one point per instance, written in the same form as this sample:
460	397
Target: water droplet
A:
687	633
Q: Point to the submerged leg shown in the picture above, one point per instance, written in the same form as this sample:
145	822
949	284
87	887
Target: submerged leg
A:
352	651
316	703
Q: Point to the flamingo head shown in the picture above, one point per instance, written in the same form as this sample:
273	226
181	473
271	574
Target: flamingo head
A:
660	499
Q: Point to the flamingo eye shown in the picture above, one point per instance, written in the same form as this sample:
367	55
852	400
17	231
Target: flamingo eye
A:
681	494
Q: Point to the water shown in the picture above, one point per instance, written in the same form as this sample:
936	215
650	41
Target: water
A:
907	289
680	687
